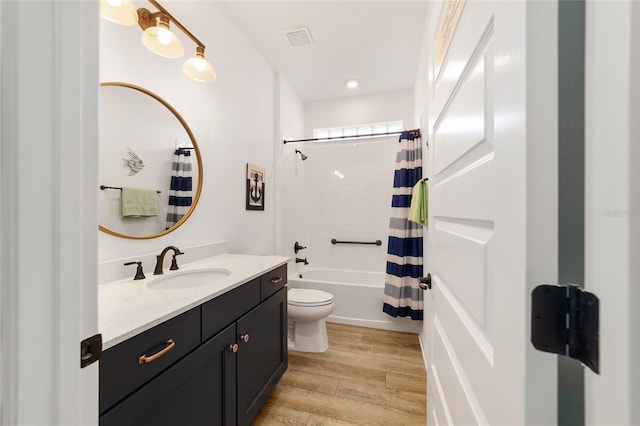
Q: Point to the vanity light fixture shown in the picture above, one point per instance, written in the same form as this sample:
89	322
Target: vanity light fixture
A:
121	12
158	38
197	68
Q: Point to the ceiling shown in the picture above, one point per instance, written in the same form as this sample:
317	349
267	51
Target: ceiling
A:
376	42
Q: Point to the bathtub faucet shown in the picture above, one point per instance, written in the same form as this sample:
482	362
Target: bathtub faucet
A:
298	260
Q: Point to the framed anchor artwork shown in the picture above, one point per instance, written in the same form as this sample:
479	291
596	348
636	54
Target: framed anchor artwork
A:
255	187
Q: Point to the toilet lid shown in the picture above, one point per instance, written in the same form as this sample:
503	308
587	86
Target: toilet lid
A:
308	297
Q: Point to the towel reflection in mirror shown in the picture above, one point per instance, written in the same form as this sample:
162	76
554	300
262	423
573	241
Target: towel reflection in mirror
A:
136	202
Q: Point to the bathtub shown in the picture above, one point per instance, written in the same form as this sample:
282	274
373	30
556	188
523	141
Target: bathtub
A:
358	297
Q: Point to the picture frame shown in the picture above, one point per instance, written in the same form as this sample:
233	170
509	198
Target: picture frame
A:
255	187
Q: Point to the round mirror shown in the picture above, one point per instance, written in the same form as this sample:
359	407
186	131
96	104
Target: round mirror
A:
146	148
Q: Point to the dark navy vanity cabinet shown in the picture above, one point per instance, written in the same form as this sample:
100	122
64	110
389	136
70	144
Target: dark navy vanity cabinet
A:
226	357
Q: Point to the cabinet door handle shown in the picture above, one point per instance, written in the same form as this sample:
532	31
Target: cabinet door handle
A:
245	338
144	359
233	348
276	280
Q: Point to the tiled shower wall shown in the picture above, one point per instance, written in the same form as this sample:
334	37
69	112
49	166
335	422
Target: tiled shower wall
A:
344	190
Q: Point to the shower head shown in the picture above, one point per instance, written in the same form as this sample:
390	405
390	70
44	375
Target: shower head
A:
304	157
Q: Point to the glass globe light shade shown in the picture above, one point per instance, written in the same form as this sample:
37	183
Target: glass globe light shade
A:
160	40
121	12
198	68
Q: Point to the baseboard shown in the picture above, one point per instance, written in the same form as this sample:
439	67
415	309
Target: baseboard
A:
407	327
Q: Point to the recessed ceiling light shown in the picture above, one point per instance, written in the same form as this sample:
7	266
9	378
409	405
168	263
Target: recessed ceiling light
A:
352	84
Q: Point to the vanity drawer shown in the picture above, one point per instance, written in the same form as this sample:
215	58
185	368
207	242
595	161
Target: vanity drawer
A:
226	308
122	370
273	281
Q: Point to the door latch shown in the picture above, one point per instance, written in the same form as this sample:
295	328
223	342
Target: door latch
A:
564	320
90	350
425	282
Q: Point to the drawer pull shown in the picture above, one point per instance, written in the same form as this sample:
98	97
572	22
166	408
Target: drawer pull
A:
233	348
144	359
276	280
245	338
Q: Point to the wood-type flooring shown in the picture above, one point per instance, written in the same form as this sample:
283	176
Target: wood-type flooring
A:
367	377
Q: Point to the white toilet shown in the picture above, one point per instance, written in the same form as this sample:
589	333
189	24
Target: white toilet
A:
307	311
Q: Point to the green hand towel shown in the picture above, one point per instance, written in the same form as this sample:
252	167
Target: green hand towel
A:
136	202
419	209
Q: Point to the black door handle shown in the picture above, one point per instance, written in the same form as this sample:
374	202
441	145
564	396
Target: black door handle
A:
425	282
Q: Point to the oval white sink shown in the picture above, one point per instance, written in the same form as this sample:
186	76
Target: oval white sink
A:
188	279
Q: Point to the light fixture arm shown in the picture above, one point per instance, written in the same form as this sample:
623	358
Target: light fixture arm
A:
144	20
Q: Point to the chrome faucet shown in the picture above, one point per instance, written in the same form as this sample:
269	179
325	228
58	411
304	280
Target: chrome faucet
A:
160	260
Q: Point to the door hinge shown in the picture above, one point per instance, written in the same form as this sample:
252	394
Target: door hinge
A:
90	350
564	320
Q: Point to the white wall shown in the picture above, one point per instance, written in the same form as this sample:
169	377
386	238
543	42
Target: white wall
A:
291	112
291	122
231	118
380	107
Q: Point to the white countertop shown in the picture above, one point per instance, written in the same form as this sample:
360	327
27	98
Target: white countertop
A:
129	307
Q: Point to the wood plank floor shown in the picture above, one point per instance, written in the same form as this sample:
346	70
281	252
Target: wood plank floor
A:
367	377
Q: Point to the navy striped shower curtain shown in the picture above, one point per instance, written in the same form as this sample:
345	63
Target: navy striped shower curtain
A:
402	296
180	197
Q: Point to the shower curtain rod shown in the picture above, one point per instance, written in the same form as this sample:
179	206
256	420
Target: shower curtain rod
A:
347	137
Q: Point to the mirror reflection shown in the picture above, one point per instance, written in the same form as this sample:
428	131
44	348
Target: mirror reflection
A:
150	165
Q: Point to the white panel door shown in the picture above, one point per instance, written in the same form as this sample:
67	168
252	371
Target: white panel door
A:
492	115
48	211
612	81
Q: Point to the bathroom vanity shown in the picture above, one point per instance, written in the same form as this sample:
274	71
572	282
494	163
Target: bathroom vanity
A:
209	354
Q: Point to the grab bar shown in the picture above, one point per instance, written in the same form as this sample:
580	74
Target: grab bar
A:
376	242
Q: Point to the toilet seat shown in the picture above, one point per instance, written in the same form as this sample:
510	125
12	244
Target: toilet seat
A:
308	297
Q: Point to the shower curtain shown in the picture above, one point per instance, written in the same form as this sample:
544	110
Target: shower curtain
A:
402	296
180	197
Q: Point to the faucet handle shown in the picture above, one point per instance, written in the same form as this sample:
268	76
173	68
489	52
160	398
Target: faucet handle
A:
139	272
174	263
297	247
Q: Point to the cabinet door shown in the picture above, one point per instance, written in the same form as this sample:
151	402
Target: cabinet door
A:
228	307
198	390
262	358
120	371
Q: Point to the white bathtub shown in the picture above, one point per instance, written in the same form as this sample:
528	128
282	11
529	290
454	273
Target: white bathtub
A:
358	296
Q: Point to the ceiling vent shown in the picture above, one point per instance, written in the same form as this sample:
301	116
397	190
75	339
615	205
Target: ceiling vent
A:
298	37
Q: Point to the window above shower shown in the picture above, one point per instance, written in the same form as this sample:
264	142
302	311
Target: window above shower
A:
360	130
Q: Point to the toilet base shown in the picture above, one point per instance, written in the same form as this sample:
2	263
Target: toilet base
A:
308	336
